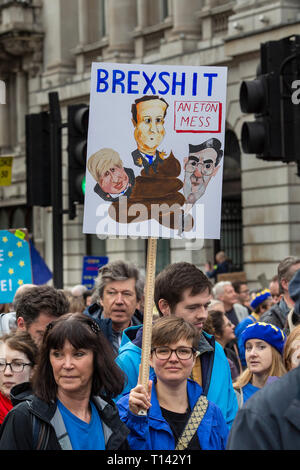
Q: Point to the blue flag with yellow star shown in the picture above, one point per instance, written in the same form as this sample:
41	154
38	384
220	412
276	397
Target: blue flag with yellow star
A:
15	264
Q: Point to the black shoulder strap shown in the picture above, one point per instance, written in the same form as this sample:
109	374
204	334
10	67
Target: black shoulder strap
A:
40	433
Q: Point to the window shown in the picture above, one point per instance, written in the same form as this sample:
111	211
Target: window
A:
231	220
16	217
164	9
102	18
95	246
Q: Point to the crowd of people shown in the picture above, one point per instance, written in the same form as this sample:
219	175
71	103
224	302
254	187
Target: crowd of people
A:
222	357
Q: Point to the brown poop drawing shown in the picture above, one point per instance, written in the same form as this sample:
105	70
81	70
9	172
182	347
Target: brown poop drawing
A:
158	197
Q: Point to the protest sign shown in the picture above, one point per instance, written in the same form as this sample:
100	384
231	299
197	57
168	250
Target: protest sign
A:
155	159
155	151
15	263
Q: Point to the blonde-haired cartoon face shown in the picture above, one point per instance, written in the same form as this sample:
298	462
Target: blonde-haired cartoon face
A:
114	180
149	129
107	169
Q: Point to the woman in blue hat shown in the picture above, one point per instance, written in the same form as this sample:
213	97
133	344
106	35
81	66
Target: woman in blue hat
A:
261	301
263	345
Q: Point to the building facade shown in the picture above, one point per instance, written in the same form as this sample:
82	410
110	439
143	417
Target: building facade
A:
49	45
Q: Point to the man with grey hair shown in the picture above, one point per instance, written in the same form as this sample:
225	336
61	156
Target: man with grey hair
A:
277	314
225	292
120	289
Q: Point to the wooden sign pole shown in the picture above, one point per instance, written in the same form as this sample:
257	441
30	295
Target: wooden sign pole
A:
148	313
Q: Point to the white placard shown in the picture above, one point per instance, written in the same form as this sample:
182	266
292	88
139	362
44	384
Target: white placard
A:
155	151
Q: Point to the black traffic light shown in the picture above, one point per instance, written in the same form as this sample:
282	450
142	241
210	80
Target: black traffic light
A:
274	134
38	164
78	118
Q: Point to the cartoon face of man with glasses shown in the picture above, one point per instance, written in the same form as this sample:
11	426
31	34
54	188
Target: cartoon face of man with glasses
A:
200	166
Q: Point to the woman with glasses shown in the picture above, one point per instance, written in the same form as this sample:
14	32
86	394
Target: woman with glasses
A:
166	408
73	384
18	354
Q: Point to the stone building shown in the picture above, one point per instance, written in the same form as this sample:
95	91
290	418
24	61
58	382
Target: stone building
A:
48	45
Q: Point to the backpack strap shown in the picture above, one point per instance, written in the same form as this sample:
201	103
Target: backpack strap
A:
40	433
193	423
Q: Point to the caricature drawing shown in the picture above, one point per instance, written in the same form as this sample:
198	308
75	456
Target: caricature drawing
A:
113	180
200	166
148	114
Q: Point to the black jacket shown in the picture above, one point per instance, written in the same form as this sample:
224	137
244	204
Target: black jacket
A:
16	432
277	314
270	420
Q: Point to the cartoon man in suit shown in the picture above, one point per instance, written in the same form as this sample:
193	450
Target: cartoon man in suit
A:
148	114
113	180
200	166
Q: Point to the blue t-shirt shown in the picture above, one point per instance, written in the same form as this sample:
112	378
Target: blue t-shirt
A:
248	391
83	436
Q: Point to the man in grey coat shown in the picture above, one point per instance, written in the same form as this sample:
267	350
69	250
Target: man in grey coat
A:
277	315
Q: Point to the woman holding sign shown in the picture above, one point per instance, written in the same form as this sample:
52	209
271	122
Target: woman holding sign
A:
174	398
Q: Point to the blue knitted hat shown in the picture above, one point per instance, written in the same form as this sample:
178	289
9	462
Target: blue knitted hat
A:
259	297
271	334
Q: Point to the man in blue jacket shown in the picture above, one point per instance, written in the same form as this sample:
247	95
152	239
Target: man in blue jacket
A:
183	290
120	289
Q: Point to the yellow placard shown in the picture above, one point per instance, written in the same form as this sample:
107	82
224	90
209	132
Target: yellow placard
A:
6	162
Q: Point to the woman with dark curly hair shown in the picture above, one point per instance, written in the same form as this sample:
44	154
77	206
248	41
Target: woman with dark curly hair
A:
73	385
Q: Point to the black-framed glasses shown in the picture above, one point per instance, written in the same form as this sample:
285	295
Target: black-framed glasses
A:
164	352
206	168
14	366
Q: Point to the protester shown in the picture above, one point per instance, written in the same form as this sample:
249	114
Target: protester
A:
218	325
291	353
270	420
222	266
235	312
293	317
184	291
216	305
4	308
274	289
8	320
37	307
243	294
120	288
18	356
277	314
263	350
87	297
174	396
78	290
73	384
260	303
76	302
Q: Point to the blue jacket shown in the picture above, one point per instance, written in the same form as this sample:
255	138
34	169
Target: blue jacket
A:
216	376
152	432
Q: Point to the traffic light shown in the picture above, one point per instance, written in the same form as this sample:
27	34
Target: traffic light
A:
78	117
274	134
38	164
